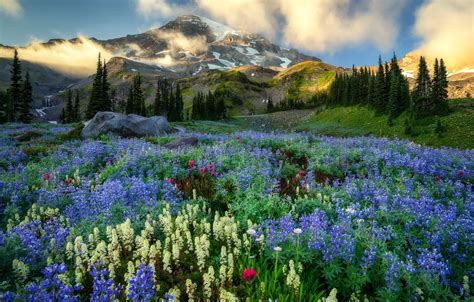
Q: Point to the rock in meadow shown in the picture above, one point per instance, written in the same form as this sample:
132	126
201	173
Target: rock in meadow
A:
130	125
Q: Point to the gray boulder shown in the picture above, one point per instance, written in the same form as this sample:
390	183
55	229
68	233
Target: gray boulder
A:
130	125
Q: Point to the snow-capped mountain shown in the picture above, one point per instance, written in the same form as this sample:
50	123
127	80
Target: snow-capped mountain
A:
191	44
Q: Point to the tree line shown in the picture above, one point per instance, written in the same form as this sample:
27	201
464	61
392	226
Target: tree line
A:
15	102
208	106
387	90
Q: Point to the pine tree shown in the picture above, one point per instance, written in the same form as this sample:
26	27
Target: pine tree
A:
76	109
62	117
379	89
422	93
179	103
105	101
435	82
69	115
96	93
26	100
210	107
158	105
138	98
15	88
393	103
443	88
4	99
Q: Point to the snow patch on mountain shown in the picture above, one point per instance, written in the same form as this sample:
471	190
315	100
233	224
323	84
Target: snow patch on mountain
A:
285	61
408	74
470	70
220	30
214	66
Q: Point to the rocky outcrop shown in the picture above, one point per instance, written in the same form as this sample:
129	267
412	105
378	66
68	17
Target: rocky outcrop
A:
131	125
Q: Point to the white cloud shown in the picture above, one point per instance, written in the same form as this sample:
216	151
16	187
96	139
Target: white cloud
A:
11	7
446	28
77	58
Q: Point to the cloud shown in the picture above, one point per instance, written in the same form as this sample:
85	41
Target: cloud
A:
314	25
161	8
11	7
73	58
446	29
176	41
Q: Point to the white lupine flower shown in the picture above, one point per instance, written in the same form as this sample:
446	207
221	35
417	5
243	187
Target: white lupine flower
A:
297	231
190	290
277	249
251	232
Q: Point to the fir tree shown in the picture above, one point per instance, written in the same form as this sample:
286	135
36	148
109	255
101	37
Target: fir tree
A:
15	88
96	93
443	88
221	110
105	101
69	115
179	103
138	98
76	109
379	89
422	93
158	105
4	100
26	100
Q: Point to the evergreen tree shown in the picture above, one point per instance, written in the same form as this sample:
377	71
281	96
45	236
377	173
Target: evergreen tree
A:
443	88
96	93
105	101
422	93
435	82
4	100
69	115
15	88
158	105
62	117
171	106
179	103
26	100
379	89
138	98
76	109
210	106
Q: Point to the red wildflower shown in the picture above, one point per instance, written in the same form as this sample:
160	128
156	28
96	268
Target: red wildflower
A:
248	274
437	178
202	170
301	174
210	167
191	164
461	173
69	180
46	177
170	180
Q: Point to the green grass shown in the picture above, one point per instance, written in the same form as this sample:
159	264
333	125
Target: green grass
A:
356	120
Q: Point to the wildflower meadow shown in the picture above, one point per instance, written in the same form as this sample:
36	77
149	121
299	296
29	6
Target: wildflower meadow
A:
239	217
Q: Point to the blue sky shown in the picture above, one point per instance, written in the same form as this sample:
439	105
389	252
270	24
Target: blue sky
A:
104	19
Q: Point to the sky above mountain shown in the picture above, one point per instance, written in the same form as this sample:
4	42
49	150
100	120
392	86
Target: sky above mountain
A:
341	32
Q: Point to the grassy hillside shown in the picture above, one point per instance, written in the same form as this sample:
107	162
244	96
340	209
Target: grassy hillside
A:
355	120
